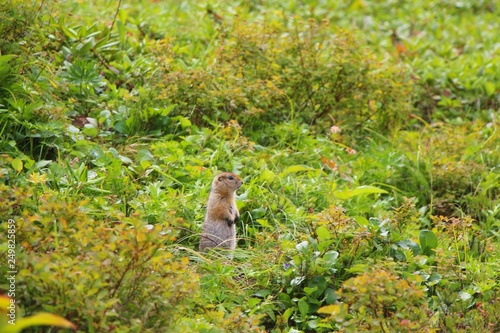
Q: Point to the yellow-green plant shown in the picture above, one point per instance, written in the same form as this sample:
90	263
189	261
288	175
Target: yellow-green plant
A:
380	301
273	72
11	322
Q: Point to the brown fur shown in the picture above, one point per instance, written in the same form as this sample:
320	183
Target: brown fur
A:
219	228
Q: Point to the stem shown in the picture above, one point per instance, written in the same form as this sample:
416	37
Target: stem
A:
116	14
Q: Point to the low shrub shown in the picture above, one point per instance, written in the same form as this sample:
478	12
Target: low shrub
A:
100	274
267	73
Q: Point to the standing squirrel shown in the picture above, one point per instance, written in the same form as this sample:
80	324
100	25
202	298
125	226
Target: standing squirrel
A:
219	228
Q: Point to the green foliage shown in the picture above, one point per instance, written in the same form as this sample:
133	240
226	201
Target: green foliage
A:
269	73
130	265
366	134
449	45
12	324
381	302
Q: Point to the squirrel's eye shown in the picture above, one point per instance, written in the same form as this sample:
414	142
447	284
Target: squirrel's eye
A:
230	177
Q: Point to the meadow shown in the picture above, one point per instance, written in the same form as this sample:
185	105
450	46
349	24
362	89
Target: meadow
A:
365	132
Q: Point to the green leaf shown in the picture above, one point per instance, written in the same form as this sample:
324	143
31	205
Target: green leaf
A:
361	221
309	291
330	296
434	279
17	164
357	268
90	131
41	164
264	223
361	190
303	307
252	302
145	164
184	122
258	213
166	111
490	88
323	233
428	242
318	283
409	244
69	32
287	314
263	293
267	176
295	169
331	257
121	127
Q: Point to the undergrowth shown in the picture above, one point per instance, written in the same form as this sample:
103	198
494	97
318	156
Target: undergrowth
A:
367	145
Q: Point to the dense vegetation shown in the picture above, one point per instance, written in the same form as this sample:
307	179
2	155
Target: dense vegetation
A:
366	133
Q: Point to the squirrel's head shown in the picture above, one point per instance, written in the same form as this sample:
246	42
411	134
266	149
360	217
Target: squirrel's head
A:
226	181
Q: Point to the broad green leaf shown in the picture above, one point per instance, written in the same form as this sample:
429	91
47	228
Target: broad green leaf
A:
295	169
309	290
17	164
330	296
262	293
323	233
258	213
361	190
409	244
303	307
267	176
434	279
361	220
145	164
166	111
428	242
318	283
41	164
331	257
490	88
90	131
121	127
6	58
285	299
252	301
264	223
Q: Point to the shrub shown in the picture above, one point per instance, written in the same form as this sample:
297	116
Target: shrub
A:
379	301
135	280
267	73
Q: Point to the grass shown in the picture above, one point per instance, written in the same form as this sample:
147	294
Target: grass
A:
368	204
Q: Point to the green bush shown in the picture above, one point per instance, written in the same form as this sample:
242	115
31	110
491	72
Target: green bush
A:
379	301
269	73
115	119
136	282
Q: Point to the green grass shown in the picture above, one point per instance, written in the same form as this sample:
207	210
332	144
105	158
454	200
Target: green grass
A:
366	134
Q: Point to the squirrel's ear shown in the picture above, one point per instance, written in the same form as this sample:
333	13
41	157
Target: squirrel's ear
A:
220	178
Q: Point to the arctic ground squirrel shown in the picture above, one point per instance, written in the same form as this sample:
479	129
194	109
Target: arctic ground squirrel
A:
219	229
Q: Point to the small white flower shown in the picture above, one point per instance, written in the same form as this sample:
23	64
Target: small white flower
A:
335	129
